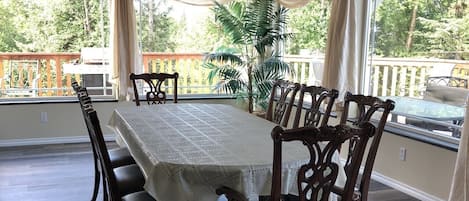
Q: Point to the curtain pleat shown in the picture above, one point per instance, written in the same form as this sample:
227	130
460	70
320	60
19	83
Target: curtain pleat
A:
460	185
126	57
345	55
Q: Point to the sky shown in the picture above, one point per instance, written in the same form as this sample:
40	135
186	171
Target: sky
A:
191	12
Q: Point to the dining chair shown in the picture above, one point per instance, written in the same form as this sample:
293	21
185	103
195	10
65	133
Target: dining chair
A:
317	177
118	157
449	81
120	181
367	107
152	82
282	98
318	98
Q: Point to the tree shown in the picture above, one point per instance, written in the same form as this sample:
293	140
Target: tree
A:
156	28
256	27
9	35
448	37
309	26
397	31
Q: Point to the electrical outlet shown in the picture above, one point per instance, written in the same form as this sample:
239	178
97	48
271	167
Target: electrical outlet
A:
402	153
44	118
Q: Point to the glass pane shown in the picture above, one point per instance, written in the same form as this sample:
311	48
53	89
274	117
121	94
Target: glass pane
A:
50	44
418	58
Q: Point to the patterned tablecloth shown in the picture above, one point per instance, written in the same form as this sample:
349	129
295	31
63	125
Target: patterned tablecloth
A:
186	151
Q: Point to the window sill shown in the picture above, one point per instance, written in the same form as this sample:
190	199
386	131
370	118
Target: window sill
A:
73	99
428	137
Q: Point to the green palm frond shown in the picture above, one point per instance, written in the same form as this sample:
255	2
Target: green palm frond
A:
231	19
277	66
222	57
256	25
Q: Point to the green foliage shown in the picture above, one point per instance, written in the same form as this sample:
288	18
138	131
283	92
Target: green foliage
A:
157	30
448	37
9	35
437	28
310	26
69	25
256	27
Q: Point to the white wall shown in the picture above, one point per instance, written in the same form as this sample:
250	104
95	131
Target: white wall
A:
427	168
65	120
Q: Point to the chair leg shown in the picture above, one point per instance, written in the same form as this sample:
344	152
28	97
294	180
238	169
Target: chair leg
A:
96	180
105	190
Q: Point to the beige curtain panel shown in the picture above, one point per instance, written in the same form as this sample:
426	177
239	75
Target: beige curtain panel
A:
126	57
460	185
344	60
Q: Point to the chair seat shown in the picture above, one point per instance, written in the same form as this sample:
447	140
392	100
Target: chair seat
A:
138	196
120	157
129	179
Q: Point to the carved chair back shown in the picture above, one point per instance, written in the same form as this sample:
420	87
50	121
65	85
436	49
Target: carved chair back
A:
282	98
154	81
319	98
86	105
316	178
367	107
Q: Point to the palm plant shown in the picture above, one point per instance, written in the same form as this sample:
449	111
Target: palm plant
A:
255	28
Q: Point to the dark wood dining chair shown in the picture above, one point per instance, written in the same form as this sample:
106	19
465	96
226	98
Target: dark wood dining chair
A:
282	98
120	181
319	98
316	178
154	81
118	157
367	107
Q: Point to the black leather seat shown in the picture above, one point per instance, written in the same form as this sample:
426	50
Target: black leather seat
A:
138	196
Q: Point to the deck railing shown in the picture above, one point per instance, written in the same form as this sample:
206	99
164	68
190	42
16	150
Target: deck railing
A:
42	74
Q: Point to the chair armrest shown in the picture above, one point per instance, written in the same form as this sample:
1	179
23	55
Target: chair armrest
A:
231	194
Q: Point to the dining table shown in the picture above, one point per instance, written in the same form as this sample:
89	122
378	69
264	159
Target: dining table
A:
188	150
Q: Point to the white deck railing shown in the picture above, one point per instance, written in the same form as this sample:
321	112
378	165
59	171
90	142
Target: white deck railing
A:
389	76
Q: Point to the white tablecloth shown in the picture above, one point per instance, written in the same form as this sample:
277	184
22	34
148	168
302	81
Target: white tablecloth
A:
186	151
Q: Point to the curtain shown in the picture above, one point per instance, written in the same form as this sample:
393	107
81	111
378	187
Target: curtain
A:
346	45
126	57
460	186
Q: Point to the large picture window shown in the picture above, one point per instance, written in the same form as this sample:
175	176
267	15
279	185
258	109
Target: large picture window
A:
418	56
46	45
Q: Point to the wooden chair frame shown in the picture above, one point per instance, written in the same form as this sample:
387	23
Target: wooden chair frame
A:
366	107
279	110
319	184
314	115
154	80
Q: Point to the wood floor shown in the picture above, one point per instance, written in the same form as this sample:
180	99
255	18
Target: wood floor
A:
65	173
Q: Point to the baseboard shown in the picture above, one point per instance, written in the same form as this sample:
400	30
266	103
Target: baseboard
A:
409	190
53	140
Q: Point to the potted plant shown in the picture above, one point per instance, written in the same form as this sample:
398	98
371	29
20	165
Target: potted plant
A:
249	70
